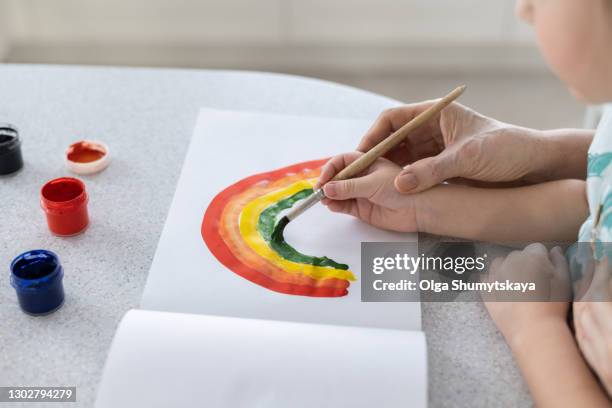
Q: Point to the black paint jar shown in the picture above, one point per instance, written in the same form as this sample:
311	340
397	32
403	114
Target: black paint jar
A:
10	149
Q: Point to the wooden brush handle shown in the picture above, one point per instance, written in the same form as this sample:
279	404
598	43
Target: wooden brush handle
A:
396	138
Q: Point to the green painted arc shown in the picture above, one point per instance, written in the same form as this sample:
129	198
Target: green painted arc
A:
273	233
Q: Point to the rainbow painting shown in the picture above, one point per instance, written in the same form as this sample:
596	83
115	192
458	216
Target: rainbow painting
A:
239	229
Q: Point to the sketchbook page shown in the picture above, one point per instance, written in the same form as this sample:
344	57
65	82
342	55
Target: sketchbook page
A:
228	146
160	359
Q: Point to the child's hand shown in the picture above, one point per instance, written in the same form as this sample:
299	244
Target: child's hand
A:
538	334
371	197
549	272
593	321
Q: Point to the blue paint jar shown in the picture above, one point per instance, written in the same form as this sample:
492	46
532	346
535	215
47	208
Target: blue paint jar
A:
37	277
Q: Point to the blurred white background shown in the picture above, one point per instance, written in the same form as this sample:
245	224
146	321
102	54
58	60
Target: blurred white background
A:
406	49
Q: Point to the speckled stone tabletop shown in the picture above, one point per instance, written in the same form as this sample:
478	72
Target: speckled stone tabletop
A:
146	116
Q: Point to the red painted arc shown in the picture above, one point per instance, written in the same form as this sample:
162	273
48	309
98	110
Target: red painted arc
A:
216	244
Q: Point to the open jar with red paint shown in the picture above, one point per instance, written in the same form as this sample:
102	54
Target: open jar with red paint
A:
87	157
64	201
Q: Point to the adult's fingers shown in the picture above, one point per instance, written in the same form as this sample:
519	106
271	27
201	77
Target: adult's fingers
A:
335	165
409	152
389	121
428	172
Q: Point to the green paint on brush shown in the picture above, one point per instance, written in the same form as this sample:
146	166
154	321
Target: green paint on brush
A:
272	232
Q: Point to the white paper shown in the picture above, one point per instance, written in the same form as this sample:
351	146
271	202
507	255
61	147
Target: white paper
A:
226	147
179	360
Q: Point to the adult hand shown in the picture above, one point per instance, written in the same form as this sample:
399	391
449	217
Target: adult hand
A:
458	143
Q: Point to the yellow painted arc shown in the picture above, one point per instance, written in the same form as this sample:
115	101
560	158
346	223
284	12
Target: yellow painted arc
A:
248	229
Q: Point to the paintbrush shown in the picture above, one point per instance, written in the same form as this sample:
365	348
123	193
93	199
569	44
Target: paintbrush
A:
365	161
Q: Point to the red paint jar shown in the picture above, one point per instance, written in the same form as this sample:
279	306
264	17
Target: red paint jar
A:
64	201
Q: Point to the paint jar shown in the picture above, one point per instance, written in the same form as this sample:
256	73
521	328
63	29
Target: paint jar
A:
64	201
10	149
87	157
37	278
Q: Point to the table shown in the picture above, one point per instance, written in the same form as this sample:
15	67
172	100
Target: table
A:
146	117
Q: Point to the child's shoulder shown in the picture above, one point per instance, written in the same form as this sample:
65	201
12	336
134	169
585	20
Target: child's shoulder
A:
600	152
604	129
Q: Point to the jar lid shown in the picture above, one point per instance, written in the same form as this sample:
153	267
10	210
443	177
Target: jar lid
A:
9	138
87	157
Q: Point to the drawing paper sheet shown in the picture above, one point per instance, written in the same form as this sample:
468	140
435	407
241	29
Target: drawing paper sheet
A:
228	146
179	360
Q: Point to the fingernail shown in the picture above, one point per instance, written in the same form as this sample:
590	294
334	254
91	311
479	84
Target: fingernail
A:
407	181
329	189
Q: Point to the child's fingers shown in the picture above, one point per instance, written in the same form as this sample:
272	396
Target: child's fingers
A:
560	263
493	270
495	265
360	187
345	207
491	276
335	165
537	248
561	290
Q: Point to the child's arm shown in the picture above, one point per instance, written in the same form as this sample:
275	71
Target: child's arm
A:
553	367
593	318
550	211
538	334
